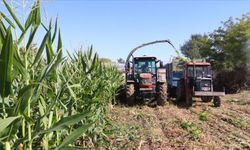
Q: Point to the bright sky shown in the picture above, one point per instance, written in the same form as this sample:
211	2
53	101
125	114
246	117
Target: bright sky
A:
116	27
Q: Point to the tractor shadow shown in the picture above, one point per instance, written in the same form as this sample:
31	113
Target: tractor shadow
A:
196	103
180	104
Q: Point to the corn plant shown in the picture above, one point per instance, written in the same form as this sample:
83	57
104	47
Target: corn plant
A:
50	102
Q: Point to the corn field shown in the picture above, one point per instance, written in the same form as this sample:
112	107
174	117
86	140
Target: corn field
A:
50	100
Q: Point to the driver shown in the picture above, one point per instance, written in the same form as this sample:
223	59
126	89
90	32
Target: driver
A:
145	67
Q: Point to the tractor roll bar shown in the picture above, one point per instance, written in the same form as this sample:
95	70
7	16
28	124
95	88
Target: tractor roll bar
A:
143	45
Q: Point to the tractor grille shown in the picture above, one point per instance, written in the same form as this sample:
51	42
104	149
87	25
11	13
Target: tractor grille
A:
146	81
205	85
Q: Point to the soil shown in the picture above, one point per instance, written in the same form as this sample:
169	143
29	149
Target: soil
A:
172	126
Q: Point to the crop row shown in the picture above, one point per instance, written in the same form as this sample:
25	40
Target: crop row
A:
51	101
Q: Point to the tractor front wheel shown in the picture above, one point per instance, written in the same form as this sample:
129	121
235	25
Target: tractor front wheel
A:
189	99
180	94
162	94
217	101
130	94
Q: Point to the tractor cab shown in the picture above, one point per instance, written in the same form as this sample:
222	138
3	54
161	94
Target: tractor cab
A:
145	65
199	76
145	73
145	77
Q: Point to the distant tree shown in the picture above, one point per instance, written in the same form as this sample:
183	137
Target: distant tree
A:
231	52
121	61
230	43
197	47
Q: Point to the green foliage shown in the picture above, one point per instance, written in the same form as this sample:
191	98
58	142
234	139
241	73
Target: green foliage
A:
238	122
48	102
230	42
192	129
203	116
197	47
6	63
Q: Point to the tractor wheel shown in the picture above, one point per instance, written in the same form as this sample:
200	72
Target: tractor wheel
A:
169	91
189	99
180	96
162	94
217	101
206	99
130	94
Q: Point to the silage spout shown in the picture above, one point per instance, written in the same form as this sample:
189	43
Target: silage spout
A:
146	44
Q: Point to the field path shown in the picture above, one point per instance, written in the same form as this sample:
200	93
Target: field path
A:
175	127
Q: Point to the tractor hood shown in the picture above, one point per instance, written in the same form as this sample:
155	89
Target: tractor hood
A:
146	75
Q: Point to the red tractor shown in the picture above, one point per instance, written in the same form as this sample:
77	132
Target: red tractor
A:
145	78
197	81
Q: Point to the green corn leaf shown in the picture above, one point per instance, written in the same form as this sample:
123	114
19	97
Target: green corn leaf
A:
63	106
32	35
90	52
59	45
69	55
2	29
18	59
75	86
13	15
67	121
24	95
34	17
55	30
44	27
2	34
4	123
6	57
29	19
20	68
53	64
21	37
50	24
72	93
41	48
94	61
8	20
74	135
49	50
42	109
37	15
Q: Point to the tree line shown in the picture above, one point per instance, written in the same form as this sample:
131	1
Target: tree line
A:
228	50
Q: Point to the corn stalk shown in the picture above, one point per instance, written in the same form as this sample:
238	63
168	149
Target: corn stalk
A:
50	101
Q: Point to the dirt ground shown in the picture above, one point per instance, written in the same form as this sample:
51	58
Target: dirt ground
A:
173	127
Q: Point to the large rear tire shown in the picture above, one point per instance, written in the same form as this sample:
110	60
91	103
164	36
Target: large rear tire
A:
162	94
189	99
130	94
180	94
